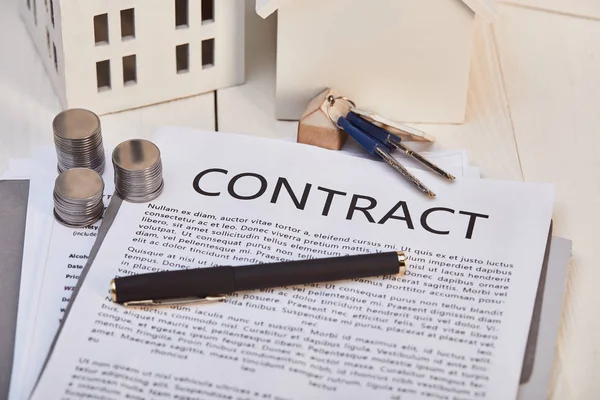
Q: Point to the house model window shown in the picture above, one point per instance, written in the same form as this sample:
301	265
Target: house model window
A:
208	53
48	43
182	55
103	75
52	13
129	70
208	11
128	24
181	13
101	29
55	57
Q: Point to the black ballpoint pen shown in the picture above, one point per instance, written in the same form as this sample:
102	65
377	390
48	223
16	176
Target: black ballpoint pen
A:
202	285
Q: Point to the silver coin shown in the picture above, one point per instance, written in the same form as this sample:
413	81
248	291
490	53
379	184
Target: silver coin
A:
135	198
76	124
79	184
137	171
136	155
79	225
78	197
78	140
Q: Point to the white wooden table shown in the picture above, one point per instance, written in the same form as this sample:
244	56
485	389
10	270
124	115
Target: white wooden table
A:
533	114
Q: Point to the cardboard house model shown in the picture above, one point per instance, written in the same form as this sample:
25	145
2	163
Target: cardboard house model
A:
113	55
405	59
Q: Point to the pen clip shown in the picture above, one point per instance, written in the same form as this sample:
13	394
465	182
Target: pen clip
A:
175	302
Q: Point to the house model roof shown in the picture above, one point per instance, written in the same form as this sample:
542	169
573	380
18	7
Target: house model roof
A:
486	9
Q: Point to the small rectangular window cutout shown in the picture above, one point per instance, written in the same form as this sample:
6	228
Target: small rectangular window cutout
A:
101	29
52	12
129	70
48	43
55	57
208	53
103	75
208	11
35	12
29	4
181	13
128	23
46	5
182	54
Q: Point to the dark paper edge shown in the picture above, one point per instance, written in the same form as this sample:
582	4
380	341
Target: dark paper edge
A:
25	185
534	328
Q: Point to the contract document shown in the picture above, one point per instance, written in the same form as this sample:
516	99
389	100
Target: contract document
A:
454	327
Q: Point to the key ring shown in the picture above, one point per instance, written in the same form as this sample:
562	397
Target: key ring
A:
331	99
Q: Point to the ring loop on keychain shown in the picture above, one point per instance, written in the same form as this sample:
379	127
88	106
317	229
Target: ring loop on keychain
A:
331	99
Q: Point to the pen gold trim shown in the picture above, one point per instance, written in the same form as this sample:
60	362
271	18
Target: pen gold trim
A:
402	263
113	291
402	267
174	302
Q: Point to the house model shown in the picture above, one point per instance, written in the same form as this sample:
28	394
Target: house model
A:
113	55
405	59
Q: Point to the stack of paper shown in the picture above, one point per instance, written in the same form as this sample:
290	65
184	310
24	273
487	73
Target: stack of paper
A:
53	259
314	361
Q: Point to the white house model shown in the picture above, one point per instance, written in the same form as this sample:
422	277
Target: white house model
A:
113	55
405	59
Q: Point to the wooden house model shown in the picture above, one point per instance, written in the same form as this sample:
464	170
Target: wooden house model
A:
113	55
406	59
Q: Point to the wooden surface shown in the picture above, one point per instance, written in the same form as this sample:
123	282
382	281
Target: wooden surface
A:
579	8
532	115
551	69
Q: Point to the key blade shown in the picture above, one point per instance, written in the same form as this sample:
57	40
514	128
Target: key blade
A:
422	160
404	172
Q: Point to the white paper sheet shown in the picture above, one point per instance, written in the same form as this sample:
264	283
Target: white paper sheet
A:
454	161
145	351
18	168
44	271
472	172
37	237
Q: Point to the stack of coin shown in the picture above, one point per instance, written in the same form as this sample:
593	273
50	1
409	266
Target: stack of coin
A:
138	171
78	197
78	140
